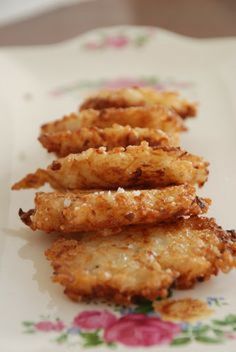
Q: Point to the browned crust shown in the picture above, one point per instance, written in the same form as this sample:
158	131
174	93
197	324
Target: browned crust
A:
33	180
136	96
179	239
69	122
111	294
26	216
154	117
75	212
99	103
134	166
68	142
224	261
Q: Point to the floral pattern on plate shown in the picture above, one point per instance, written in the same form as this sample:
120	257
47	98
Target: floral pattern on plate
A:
119	40
139	326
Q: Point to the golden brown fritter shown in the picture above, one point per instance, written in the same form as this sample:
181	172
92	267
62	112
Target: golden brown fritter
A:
76	212
138	96
142	261
67	142
141	166
159	117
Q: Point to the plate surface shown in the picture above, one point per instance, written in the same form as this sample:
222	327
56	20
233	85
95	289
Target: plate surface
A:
43	83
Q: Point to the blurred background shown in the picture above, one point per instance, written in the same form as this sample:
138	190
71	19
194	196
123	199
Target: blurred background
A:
27	22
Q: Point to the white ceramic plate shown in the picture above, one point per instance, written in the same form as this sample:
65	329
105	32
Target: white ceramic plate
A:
38	84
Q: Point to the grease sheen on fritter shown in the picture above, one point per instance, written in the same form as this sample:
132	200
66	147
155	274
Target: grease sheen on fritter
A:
139	96
116	267
134	166
75	212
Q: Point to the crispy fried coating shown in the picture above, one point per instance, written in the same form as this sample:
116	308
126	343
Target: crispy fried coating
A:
142	166
139	96
142	261
76	212
69	142
159	117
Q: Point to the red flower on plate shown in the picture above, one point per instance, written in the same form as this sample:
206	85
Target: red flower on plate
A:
117	41
141	330
94	319
230	335
123	83
47	325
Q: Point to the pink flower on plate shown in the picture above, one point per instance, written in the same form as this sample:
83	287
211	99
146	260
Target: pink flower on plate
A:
230	335
94	319
122	83
117	41
49	326
141	330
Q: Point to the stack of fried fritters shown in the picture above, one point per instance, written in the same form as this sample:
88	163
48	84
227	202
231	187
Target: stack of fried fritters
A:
122	176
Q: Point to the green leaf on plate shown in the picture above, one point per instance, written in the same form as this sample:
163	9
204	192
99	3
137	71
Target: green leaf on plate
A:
208	339
141	40
200	330
27	323
179	341
219	322
62	338
91	339
231	319
144	307
218	332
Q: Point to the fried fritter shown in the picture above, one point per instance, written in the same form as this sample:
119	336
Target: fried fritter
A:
142	261
159	117
138	96
133	166
67	142
76	212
